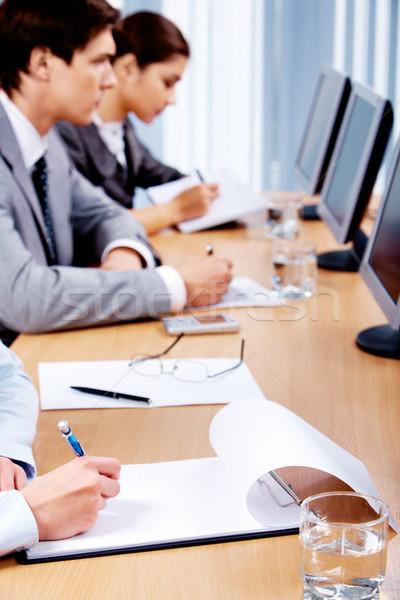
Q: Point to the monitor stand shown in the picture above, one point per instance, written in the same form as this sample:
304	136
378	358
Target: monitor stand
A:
345	260
381	341
309	212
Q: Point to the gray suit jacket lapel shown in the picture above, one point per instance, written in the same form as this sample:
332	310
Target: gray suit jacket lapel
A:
12	156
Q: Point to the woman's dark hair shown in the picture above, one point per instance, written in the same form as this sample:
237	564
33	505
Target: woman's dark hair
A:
150	37
63	26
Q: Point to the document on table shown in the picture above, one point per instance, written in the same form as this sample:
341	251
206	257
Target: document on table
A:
244	291
55	379
236	200
223	498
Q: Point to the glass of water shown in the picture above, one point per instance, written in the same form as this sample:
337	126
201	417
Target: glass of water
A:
343	540
294	268
283	216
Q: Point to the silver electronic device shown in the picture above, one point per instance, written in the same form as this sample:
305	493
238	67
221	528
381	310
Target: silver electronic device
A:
201	323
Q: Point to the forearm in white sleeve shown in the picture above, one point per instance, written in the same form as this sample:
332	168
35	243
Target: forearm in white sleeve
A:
18	528
18	411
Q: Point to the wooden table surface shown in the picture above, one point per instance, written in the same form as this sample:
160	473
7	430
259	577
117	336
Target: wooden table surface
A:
303	356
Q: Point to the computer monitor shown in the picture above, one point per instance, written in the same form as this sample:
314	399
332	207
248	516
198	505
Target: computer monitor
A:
351	176
380	269
320	132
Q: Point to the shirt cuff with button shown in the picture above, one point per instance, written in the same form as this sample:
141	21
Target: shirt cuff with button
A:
175	285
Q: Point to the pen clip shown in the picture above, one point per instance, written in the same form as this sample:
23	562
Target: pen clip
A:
69	437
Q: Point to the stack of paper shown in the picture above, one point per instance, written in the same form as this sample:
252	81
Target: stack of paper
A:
236	200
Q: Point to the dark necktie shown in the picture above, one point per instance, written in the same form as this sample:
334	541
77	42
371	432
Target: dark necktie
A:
39	178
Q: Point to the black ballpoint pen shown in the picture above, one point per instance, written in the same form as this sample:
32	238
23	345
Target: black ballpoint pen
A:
200	176
108	394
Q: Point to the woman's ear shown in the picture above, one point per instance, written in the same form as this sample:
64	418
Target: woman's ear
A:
126	65
40	63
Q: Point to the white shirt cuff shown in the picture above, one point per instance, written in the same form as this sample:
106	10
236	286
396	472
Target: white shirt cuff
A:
176	287
142	249
18	528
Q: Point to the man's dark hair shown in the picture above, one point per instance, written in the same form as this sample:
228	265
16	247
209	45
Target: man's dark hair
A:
63	26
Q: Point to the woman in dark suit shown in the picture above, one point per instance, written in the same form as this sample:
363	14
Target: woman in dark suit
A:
150	59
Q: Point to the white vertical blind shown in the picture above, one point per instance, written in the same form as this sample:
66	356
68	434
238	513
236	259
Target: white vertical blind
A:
381	74
178	143
218	120
244	99
339	50
396	78
381	48
360	41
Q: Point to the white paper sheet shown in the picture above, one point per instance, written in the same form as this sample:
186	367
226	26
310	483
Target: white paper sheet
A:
211	497
160	503
236	200
55	379
257	436
244	291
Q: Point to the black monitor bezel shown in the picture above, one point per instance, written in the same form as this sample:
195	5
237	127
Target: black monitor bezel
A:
389	307
312	185
370	163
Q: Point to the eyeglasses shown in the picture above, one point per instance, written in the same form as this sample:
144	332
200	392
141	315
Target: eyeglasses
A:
187	370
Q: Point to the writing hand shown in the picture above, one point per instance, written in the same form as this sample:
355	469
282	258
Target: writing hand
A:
206	279
66	501
193	202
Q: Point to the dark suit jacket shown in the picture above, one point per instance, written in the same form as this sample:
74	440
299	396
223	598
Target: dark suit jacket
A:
36	297
93	159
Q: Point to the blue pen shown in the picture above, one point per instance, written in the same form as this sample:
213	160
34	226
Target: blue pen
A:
69	437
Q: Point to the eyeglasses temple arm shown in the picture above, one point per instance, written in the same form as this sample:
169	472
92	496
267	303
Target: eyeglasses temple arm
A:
169	347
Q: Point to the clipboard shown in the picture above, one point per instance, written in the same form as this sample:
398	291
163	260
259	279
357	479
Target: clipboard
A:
200	506
228	497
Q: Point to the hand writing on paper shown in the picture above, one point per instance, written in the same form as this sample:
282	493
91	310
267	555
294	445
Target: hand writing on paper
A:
12	476
193	202
66	501
206	279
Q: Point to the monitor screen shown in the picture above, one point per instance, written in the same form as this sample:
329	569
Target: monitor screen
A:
321	129
381	265
355	162
353	146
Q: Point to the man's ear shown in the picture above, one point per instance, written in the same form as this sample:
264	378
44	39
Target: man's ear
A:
40	63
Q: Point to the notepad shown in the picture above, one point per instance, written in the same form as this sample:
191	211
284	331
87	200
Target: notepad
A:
221	498
244	291
236	200
55	379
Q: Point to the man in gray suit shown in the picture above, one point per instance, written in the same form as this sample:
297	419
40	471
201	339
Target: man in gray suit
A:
54	225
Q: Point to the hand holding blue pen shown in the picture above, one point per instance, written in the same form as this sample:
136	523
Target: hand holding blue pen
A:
69	437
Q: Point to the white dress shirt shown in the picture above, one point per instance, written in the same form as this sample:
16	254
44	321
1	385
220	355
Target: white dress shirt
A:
112	134
33	147
18	415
